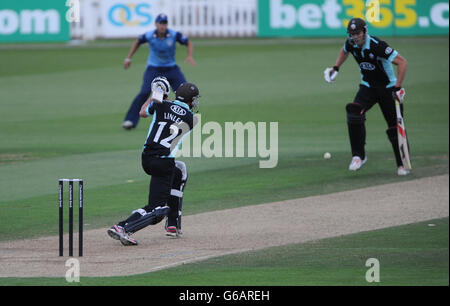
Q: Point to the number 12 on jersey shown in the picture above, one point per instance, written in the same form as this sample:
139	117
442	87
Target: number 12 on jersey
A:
165	141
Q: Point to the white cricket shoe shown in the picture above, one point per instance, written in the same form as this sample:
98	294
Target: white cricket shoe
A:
357	163
116	232
127	125
127	240
402	171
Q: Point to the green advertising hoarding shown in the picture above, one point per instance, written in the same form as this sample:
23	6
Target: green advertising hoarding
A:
312	18
33	21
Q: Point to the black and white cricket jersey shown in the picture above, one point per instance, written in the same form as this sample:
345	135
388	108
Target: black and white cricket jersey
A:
375	62
172	121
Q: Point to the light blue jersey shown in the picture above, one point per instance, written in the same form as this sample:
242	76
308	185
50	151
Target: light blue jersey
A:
162	51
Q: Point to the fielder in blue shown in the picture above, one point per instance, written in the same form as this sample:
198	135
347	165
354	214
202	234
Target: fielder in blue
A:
161	62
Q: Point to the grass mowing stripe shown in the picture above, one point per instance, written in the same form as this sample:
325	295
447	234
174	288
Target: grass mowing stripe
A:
105	43
106	203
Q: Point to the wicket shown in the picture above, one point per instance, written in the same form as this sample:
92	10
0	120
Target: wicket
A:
80	216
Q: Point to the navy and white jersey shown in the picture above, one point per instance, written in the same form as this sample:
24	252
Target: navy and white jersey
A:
375	62
162	51
172	121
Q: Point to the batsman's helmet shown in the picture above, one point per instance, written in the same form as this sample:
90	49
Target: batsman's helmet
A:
188	93
356	25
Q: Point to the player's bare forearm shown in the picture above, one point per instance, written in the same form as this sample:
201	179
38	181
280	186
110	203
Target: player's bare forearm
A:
190	54
402	66
342	57
190	49
142	112
134	47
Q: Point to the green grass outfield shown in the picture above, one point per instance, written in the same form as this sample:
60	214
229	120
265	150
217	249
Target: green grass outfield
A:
62	107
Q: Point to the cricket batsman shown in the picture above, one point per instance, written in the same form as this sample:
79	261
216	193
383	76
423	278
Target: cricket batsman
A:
379	84
172	120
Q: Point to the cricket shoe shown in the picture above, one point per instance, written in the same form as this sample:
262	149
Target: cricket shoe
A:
127	125
402	171
116	232
172	231
127	240
357	163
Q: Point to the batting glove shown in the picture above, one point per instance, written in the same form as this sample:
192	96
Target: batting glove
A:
157	94
330	74
399	94
157	86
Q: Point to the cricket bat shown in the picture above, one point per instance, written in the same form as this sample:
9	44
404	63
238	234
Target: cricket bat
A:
402	140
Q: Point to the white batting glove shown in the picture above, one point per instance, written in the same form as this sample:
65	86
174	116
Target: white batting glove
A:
330	74
156	85
400	94
157	93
